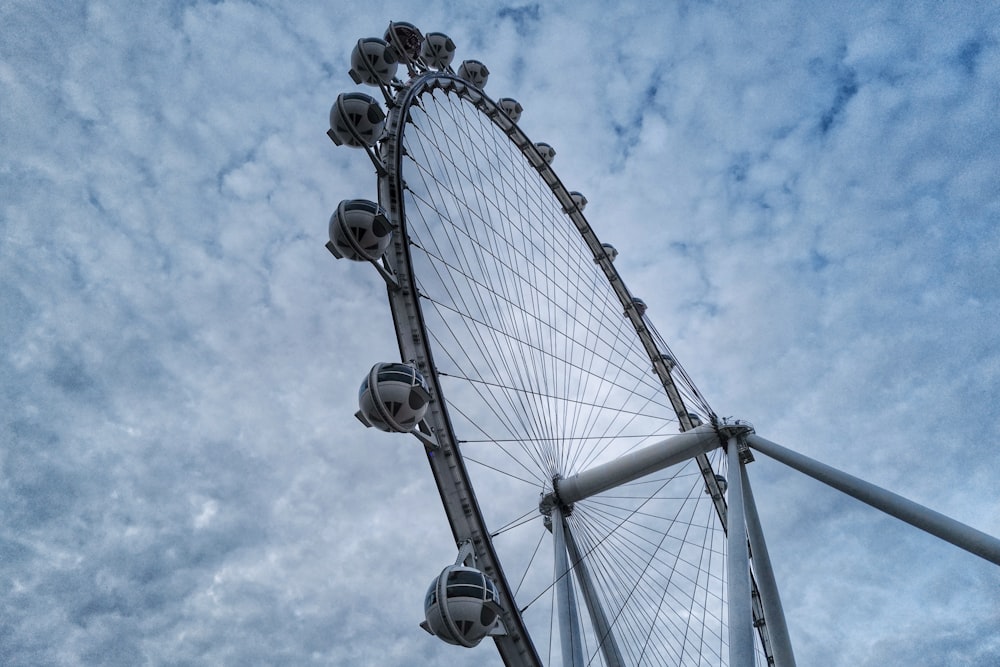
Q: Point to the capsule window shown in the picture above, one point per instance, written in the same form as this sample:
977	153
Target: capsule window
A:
462	583
361	205
432	596
475	592
492	594
465	577
395	376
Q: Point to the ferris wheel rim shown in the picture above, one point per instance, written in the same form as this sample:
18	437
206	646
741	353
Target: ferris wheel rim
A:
391	192
413	339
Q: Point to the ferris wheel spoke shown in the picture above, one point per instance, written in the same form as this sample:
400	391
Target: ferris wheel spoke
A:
575	321
634	391
500	411
488	352
627	620
673	570
625	567
486	347
507	411
635	553
503	301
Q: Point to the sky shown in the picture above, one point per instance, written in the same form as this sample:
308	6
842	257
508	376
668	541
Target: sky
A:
804	194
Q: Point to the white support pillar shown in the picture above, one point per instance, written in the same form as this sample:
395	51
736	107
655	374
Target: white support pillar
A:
781	645
939	525
741	638
645	461
606	639
569	618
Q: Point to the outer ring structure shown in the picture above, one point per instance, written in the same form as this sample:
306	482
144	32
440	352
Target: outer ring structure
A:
453	481
450	474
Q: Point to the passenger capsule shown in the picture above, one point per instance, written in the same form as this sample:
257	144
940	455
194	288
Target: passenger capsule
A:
610	251
394	397
359	230
547	152
695	419
462	606
356	120
668	362
373	62
640	306
578	199
511	107
438	50
474	72
405	38
722	482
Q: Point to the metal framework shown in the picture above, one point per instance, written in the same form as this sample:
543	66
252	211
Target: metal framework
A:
446	461
454	484
754	607
447	465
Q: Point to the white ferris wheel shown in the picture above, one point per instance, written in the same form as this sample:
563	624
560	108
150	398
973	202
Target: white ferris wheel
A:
601	510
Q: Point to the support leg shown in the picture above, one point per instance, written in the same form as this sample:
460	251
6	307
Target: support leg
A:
781	645
569	618
741	640
939	525
607	641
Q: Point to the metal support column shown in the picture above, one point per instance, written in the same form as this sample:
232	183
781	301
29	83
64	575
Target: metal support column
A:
741	640
781	645
569	618
607	642
939	525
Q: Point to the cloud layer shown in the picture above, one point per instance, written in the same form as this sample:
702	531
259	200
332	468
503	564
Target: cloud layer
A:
805	196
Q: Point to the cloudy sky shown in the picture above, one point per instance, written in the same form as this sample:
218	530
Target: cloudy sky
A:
805	195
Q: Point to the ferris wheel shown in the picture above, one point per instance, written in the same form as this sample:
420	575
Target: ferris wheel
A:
600	508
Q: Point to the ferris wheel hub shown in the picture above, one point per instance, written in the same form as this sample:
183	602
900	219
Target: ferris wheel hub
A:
735	428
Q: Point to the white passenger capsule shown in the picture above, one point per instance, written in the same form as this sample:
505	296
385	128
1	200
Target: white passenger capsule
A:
722	482
640	306
373	62
405	38
511	107
438	50
547	152
359	230
394	397
667	361
474	72
462	606
356	120
578	199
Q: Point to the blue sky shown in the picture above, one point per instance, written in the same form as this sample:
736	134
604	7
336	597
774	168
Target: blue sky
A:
804	194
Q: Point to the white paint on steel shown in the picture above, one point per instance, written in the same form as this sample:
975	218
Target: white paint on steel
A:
637	464
915	514
781	644
740	611
569	617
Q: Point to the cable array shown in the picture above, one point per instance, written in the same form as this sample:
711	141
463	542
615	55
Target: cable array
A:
544	376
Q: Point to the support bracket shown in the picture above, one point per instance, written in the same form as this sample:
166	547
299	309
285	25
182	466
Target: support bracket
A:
738	429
